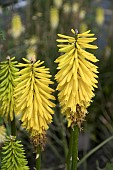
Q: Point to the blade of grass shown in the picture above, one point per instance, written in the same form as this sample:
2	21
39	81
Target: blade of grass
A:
94	150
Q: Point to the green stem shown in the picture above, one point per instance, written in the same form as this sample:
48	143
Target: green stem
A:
13	127
94	150
75	148
38	158
68	161
0	155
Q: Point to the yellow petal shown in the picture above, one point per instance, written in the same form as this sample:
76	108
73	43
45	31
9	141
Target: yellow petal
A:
65	36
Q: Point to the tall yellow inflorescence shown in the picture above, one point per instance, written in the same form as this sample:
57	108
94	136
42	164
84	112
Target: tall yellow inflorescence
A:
33	98
76	76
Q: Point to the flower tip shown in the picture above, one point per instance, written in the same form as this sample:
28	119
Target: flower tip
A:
33	59
72	30
76	31
58	34
8	58
56	61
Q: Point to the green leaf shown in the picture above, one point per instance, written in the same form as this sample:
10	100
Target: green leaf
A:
109	166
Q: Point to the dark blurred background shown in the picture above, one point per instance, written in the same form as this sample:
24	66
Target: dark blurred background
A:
30	27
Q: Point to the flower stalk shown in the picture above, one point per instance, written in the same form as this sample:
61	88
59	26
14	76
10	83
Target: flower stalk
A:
75	148
38	158
13	127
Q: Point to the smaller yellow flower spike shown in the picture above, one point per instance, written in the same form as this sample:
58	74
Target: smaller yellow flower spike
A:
31	52
99	16
67	8
82	14
76	76
83	27
54	17
58	3
75	7
16	26
33	96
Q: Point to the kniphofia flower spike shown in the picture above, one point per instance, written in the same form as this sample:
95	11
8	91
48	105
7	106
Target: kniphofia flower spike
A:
33	98
76	76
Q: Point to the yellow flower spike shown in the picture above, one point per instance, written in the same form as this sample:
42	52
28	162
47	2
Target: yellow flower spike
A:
66	8
8	73
58	3
33	96
76	76
82	14
31	51
16	26
100	17
83	27
75	7
54	18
